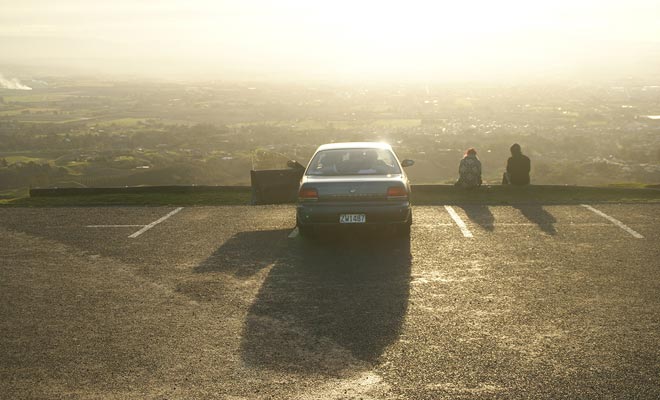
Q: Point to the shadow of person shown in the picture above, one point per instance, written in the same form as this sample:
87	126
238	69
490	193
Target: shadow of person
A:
481	215
329	305
538	215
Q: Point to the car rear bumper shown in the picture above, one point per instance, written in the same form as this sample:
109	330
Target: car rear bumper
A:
377	213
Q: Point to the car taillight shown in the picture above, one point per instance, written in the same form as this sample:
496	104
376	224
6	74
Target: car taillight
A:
396	191
308	194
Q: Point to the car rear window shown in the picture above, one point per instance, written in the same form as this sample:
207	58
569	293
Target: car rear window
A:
353	162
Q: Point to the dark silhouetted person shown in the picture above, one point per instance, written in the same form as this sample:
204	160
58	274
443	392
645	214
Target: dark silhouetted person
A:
469	171
517	168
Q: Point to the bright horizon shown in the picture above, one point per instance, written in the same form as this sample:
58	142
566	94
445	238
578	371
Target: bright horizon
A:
341	40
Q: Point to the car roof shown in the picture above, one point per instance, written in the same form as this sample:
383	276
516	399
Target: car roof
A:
355	145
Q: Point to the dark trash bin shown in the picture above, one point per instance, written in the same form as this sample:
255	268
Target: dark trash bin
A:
276	186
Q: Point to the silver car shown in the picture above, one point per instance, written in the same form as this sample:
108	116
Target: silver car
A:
359	183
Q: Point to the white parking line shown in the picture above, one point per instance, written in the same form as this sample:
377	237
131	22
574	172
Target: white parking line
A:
112	226
294	233
459	222
429	225
156	222
614	221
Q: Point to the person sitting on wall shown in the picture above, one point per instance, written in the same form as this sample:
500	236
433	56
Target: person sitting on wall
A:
469	170
517	168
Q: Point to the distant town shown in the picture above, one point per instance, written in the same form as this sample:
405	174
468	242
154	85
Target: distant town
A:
88	133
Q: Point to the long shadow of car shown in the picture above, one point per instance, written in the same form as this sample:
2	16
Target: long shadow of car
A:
329	303
325	305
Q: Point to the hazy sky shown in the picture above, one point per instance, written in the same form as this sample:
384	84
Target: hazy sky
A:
338	39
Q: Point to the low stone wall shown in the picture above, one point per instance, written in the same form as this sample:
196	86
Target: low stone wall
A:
53	192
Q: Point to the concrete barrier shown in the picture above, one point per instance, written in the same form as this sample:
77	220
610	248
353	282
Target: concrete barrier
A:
281	186
54	192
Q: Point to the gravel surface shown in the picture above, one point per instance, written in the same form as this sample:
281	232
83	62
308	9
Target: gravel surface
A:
220	302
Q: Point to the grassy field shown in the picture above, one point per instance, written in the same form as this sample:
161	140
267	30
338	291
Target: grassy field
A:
13	194
26	159
31	97
306	125
422	195
125	122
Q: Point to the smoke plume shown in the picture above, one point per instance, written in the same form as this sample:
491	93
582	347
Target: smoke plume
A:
14	84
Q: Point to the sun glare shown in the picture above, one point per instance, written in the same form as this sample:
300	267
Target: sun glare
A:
340	39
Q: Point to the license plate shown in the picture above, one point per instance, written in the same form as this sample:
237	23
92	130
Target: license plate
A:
352	218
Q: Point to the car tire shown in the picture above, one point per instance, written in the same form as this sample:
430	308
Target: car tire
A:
304	230
404	229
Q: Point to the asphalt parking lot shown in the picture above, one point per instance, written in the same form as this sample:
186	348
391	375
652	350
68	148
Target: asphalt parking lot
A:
524	301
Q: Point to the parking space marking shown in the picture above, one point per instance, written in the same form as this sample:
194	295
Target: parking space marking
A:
535	224
294	233
426	225
464	229
156	222
614	221
112	226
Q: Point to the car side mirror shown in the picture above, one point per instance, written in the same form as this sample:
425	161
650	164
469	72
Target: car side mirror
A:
407	163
